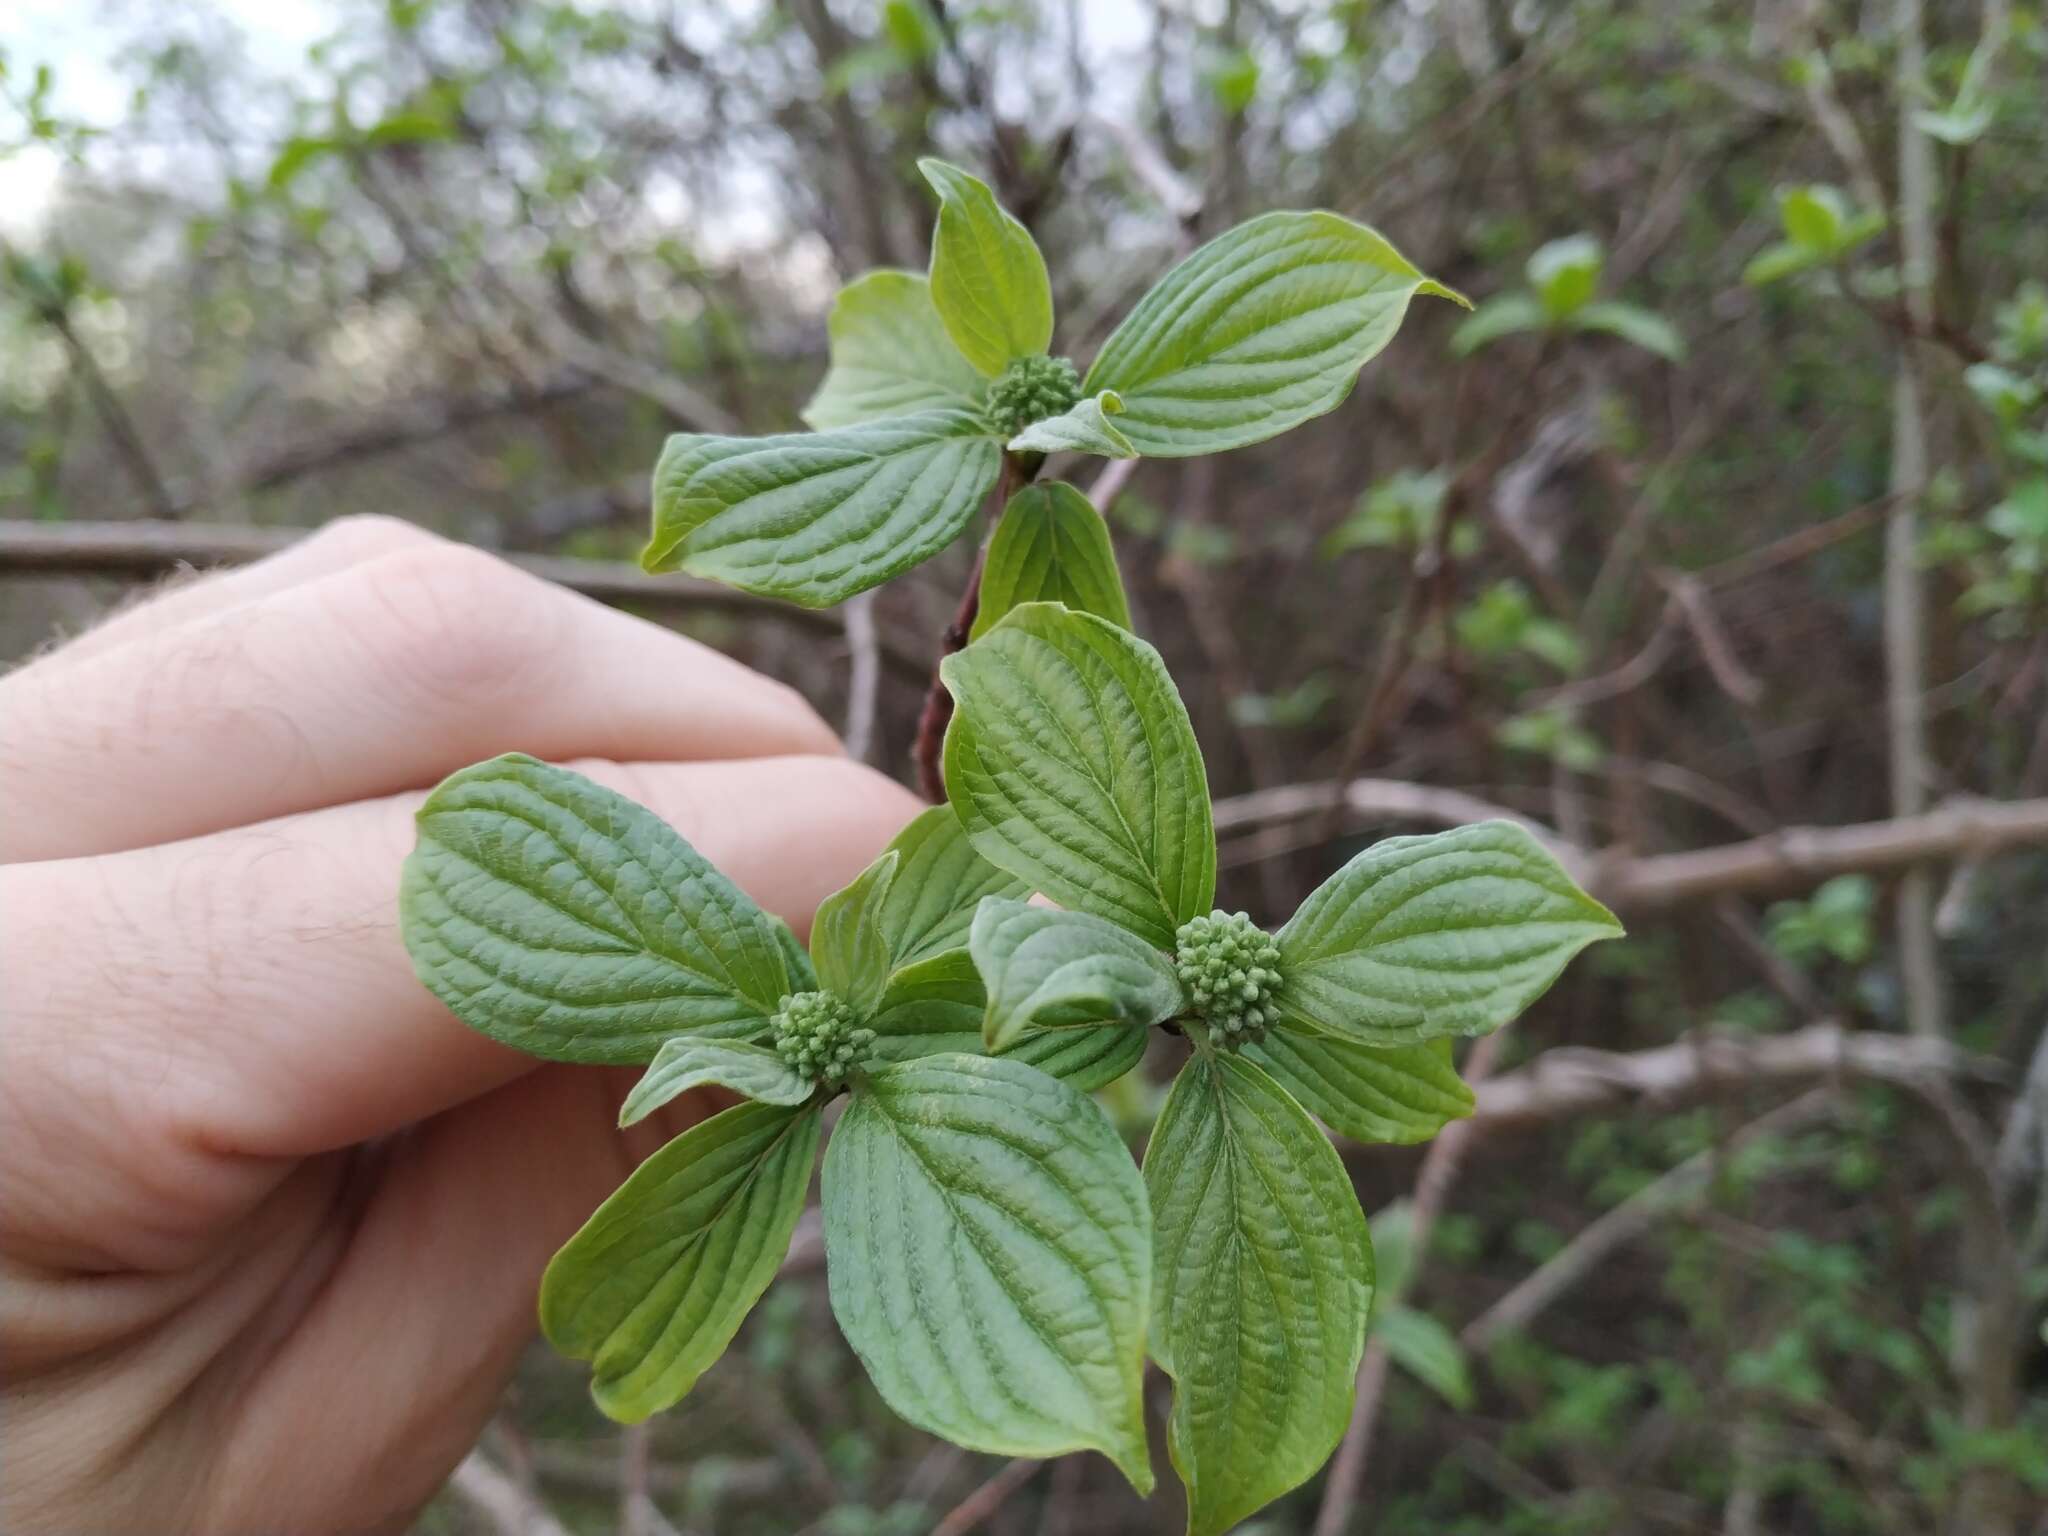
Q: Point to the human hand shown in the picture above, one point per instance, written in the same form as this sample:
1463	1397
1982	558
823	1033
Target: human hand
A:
273	1222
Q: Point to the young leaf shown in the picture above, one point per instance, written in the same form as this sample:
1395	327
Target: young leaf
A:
1083	428
891	355
940	880
1565	273
988	279
1051	546
567	922
1508	315
1635	325
1404	1094
816	517
1073	766
848	946
658	1281
1418	937
1258	331
803	977
1262	1286
685	1063
990	1258
936	1007
1048	969
1813	216
1781	259
1428	1351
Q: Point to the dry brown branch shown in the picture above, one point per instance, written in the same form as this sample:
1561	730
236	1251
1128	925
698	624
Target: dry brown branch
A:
1797	856
1789	857
1566	1082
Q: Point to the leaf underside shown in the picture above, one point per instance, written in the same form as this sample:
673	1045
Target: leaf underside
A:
655	1285
989	1256
1260	330
1262	1287
891	356
565	921
817	517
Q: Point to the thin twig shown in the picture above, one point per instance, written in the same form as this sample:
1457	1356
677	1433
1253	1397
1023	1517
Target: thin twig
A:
490	1491
864	676
987	1499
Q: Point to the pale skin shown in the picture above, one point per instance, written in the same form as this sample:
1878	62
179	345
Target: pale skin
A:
272	1222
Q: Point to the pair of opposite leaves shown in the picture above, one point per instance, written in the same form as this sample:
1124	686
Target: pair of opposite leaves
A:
990	1245
1258	331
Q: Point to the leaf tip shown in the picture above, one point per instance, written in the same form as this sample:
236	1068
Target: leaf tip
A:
1435	289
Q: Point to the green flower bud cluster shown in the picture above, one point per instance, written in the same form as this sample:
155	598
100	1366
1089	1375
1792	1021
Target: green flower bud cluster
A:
1230	967
1031	389
817	1035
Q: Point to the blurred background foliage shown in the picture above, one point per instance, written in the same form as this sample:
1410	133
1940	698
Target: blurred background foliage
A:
1610	553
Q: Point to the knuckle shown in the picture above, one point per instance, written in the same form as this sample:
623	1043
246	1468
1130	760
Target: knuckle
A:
364	536
449	622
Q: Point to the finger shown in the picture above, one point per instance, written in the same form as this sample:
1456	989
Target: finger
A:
333	547
384	676
443	1271
197	1012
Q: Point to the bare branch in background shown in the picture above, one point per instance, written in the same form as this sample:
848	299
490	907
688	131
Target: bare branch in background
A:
486	1488
1666	1195
864	676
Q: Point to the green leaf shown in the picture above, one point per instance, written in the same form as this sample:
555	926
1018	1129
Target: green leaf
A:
658	1281
1263	328
1453	933
936	1008
989	1252
1565	274
1051	546
1508	315
1428	1351
1073	766
816	517
939	881
1401	1095
803	977
1261	1287
565	921
1048	969
891	355
848	947
1635	325
1084	428
988	279
1781	260
685	1063
1814	216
